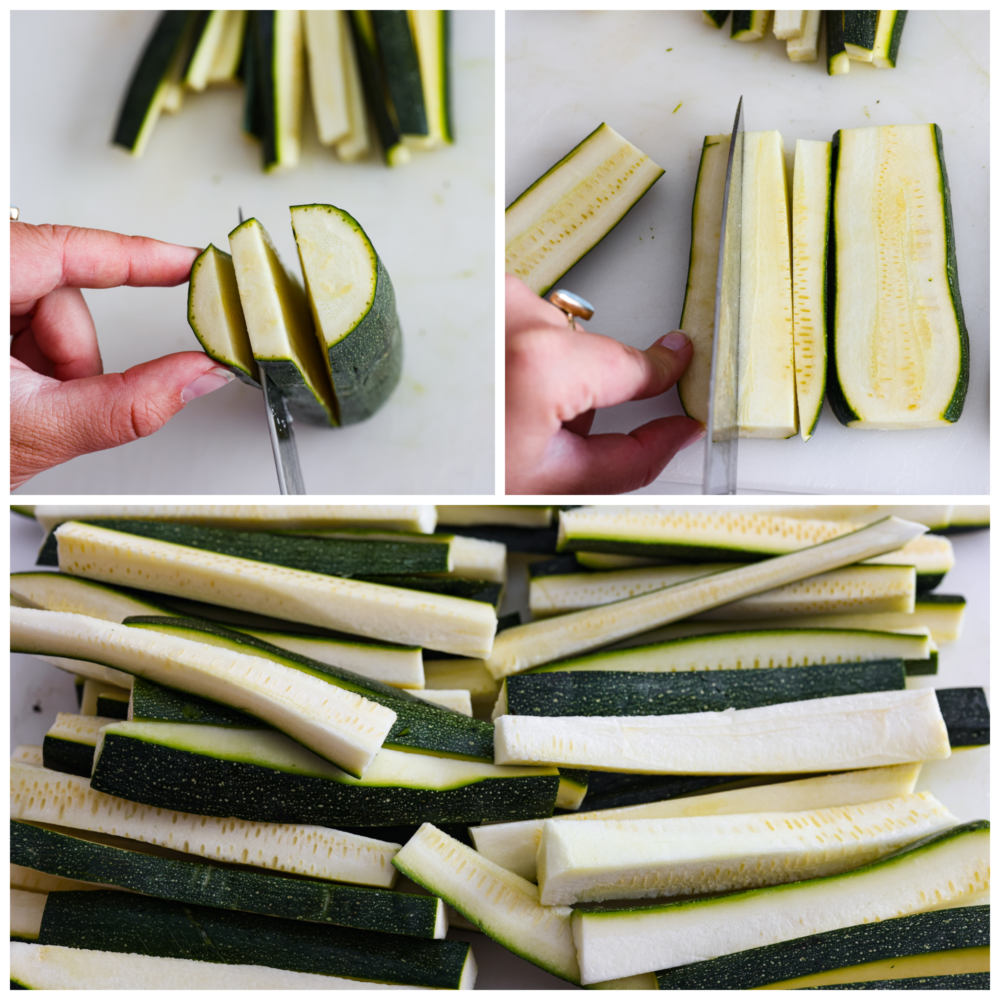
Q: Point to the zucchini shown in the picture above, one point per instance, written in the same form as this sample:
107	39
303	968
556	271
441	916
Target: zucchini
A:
106	700
279	325
573	206
353	307
539	642
949	868
228	53
514	846
683	856
789	23
61	592
139	925
805	48
519	516
585	693
45	797
253	111
749	25
965	517
469	674
264	777
25	914
30	755
431	32
899	348
69	744
715	18
825	734
838	61
966	713
500	904
170	875
203	52
373	611
965	981
698	311
887	37
401	69
923	943
810	227
356	144
28	880
147	90
279	74
327	84
454	699
309	704
216	315
859	34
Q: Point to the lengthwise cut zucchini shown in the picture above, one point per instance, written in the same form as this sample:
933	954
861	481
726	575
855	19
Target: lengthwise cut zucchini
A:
859	34
899	348
202	57
106	700
838	61
431	31
323	30
226	63
947	869
573	206
749	25
789	23
401	67
715	18
887	38
69	744
279	80
805	48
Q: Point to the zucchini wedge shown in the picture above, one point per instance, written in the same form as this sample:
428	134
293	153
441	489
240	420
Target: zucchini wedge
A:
353	306
514	846
899	348
69	744
106	700
805	48
715	18
749	25
573	206
838	61
947	869
859	34
262	776
215	313
133	924
26	910
376	611
789	24
336	722
279	78
825	734
203	53
811	180
502	905
28	755
431	31
327	85
279	325
228	52
401	69
887	38
45	797
357	143
954	941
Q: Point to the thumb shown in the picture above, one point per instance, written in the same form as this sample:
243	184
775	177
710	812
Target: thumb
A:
52	421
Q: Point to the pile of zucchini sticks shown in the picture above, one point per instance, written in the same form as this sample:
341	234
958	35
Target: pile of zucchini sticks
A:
307	739
382	71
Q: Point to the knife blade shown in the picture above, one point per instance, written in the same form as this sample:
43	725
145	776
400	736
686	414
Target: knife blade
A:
722	431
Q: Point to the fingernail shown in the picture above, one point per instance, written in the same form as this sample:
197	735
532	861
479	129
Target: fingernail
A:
209	382
674	341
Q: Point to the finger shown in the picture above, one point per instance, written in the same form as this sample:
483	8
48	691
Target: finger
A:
61	341
47	257
616	463
52	422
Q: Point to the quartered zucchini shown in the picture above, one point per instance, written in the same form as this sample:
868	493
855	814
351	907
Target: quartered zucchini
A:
69	744
947	869
353	307
216	315
838	61
203	53
106	700
859	34
810	226
805	47
323	30
401	68
749	25
789	23
573	206
431	31
356	144
899	348
887	37
715	18
229	50
279	79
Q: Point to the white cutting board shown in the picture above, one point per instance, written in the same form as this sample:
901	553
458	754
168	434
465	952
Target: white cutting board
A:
431	221
568	72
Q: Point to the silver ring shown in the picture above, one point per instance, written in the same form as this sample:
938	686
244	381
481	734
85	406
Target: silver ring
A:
572	305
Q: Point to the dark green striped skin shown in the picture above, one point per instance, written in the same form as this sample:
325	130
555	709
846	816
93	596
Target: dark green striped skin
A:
157	775
938	599
163	46
401	68
898	22
376	95
611	790
961	981
418	726
531	540
614	693
154	703
107	920
267	119
834	391
109	707
68	756
836	54
919	934
966	713
174	876
859	28
574	776
718	17
199	22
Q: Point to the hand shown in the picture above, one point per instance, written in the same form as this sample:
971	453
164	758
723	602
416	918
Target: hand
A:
556	377
61	405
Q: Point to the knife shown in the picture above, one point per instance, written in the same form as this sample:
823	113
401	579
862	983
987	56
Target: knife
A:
722	431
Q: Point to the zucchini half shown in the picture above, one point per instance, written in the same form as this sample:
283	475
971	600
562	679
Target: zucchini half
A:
899	348
789	24
353	306
573	206
226	63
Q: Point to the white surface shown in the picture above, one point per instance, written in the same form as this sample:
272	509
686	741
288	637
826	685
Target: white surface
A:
567	72
431	221
38	691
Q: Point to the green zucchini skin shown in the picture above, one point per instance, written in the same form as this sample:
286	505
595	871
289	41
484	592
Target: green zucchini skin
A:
716	17
859	30
920	933
472	590
402	69
419	725
253	116
155	703
837	60
163	776
108	920
888	60
68	756
164	44
266	117
834	392
597	693
376	96
610	790
744	22
966	713
961	981
226	887
111	708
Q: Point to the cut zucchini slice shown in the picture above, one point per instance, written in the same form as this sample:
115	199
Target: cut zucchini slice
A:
789	24
805	48
279	76
887	38
749	25
226	64
216	315
327	84
106	700
950	868
280	327
431	32
716	18
401	69
825	734
838	61
69	744
859	34
455	699
810	227
353	306
203	54
357	143
26	910
29	755
573	206
899	348
502	905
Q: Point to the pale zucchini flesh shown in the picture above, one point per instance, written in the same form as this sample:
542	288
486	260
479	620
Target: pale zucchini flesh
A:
357	143
805	47
61	592
323	30
227	54
789	23
26	909
887	36
202	58
573	206
431	31
749	25
30	880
